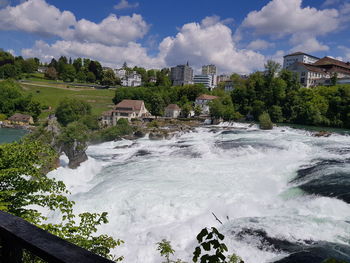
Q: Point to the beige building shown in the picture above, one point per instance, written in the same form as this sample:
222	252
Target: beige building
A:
172	111
126	109
21	119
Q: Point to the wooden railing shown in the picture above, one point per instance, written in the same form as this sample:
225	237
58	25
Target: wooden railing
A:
17	234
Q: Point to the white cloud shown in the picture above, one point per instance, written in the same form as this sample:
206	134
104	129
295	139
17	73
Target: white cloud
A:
260	44
209	43
132	53
280	18
331	2
306	43
124	4
112	30
37	16
284	17
196	43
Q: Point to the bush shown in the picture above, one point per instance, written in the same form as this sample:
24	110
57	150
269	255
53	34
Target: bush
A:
112	133
2	117
70	110
265	121
153	124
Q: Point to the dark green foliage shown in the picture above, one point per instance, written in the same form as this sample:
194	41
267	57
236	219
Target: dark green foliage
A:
24	187
223	108
265	122
68	73
112	133
211	248
90	121
74	132
109	78
71	109
12	101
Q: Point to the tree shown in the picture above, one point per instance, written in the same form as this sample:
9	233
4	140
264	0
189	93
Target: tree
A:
334	79
109	78
96	68
197	110
272	68
186	110
90	77
51	73
9	71
157	105
78	64
70	110
24	187
68	73
81	76
265	122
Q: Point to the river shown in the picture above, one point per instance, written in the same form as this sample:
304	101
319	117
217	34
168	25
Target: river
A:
10	135
278	193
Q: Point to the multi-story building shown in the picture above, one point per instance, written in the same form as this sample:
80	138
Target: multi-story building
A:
126	109
128	79
223	78
132	79
209	70
203	102
206	80
181	75
321	71
290	59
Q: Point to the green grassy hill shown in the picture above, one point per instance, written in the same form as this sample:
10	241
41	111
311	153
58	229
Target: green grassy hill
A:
51	94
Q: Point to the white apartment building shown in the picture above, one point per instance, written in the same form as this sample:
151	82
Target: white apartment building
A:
207	80
290	59
132	79
309	75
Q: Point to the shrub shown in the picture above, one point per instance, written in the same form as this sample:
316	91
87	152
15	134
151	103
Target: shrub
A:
2	117
265	121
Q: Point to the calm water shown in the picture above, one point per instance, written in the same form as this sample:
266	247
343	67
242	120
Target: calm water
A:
10	135
279	193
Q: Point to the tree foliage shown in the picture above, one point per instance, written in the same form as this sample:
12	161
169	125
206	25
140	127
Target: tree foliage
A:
71	109
24	187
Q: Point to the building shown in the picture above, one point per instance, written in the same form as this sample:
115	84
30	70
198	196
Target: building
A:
290	59
229	86
206	80
130	109
181	75
222	78
172	111
131	79
203	102
209	70
21	119
321	71
42	69
309	75
107	118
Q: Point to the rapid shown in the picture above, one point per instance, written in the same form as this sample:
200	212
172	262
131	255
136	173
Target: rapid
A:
279	194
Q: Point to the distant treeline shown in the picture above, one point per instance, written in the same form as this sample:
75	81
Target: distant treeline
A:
81	70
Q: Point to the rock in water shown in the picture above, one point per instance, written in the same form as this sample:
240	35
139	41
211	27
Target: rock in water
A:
75	153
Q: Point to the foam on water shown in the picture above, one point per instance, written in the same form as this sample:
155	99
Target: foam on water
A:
171	189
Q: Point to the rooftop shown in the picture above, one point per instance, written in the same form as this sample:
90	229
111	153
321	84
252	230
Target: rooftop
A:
300	53
331	61
173	107
207	97
135	105
20	117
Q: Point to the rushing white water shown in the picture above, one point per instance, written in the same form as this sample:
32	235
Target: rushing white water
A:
170	188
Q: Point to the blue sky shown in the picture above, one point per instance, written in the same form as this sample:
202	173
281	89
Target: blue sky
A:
237	36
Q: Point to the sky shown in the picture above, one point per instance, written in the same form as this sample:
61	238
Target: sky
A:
236	36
